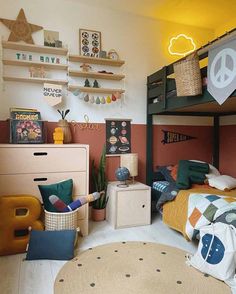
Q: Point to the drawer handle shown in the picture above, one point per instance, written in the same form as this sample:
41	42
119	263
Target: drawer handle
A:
40	153
40	179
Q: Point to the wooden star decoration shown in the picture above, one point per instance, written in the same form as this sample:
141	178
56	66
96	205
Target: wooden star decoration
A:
20	28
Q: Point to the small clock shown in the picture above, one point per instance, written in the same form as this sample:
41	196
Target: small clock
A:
112	54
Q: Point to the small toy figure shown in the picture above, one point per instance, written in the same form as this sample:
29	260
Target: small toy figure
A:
47	59
24	56
86	83
58	136
42	58
42	72
18	56
57	60
30	57
95	84
52	59
85	67
32	71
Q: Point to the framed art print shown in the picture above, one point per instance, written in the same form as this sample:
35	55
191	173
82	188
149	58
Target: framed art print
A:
118	136
89	43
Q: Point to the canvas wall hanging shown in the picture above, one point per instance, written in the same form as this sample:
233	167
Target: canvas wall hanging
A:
118	136
52	94
173	137
221	71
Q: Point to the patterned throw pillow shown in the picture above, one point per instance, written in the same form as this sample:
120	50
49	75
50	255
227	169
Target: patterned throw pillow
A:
160	185
61	189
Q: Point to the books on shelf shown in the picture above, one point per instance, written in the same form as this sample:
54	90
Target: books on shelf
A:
26	126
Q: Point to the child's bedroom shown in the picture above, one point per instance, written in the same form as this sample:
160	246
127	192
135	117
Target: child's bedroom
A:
117	147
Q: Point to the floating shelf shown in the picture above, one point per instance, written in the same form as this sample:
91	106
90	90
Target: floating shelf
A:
95	75
27	63
35	80
94	60
94	90
34	48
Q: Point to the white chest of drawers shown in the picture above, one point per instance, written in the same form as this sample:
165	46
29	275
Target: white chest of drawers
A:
24	167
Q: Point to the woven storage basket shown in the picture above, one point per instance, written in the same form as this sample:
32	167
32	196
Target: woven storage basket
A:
56	221
188	76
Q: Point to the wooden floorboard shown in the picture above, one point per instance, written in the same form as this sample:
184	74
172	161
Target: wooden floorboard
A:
18	276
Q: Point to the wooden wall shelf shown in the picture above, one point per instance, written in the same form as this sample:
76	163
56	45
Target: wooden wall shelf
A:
34	48
95	75
35	80
27	63
94	60
94	90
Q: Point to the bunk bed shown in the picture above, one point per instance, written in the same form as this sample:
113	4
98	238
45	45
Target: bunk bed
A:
162	100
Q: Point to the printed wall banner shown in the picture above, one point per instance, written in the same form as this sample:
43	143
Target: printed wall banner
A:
118	136
221	71
172	137
52	94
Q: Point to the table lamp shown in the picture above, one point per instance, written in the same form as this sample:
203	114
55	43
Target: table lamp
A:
130	161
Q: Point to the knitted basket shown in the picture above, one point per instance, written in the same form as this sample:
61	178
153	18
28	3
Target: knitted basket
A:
55	221
188	76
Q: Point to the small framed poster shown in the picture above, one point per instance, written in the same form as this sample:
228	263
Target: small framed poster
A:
118	136
89	42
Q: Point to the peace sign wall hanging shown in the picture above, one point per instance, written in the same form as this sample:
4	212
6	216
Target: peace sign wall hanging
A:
221	71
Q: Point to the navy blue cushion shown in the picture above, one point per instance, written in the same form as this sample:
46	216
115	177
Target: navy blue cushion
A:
57	245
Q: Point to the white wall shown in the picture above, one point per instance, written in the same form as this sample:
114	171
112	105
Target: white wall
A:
140	41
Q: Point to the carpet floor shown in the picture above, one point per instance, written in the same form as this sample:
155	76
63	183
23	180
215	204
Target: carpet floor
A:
134	268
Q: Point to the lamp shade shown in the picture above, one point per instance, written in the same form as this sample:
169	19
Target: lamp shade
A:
130	161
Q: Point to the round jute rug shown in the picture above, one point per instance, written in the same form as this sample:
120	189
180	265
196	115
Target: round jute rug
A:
134	268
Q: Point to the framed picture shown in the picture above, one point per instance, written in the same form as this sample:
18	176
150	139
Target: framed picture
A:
89	42
118	136
26	131
50	38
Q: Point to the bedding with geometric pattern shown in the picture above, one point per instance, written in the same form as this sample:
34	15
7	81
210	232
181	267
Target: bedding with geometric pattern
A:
203	209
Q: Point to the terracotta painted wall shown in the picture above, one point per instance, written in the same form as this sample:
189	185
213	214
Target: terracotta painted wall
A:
227	150
199	148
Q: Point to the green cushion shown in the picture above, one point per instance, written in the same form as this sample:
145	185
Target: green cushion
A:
62	189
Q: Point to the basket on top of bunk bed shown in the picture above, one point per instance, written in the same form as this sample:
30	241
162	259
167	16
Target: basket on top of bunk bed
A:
188	76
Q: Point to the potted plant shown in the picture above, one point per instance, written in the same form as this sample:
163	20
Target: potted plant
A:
99	182
63	123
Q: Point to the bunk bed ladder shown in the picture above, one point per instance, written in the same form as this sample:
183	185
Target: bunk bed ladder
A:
216	141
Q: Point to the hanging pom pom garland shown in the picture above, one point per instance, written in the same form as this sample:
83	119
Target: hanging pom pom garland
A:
113	97
92	100
86	98
98	100
108	99
103	100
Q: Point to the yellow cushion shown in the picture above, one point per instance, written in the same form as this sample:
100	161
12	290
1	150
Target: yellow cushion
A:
18	213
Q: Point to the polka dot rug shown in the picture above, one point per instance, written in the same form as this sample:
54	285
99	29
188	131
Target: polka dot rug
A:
134	268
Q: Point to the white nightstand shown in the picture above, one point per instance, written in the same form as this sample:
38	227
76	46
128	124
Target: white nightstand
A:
130	206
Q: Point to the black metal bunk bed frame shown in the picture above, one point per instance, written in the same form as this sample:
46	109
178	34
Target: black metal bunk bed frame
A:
158	87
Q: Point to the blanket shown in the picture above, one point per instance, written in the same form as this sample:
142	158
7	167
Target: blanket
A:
175	212
203	209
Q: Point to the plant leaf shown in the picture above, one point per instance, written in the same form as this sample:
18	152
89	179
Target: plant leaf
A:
67	111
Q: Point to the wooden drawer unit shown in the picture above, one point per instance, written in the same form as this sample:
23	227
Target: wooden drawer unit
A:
24	167
130	206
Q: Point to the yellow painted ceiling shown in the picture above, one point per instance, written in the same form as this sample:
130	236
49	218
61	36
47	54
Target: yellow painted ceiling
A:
202	13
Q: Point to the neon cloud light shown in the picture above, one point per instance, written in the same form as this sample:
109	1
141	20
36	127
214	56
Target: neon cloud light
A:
175	39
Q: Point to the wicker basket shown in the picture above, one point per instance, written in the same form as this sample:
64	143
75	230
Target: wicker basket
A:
56	221
188	76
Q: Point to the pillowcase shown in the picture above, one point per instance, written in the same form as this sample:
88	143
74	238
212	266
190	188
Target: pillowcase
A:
58	245
222	182
165	170
61	189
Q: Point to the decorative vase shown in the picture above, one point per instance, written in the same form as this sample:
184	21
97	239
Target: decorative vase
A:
98	214
63	123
